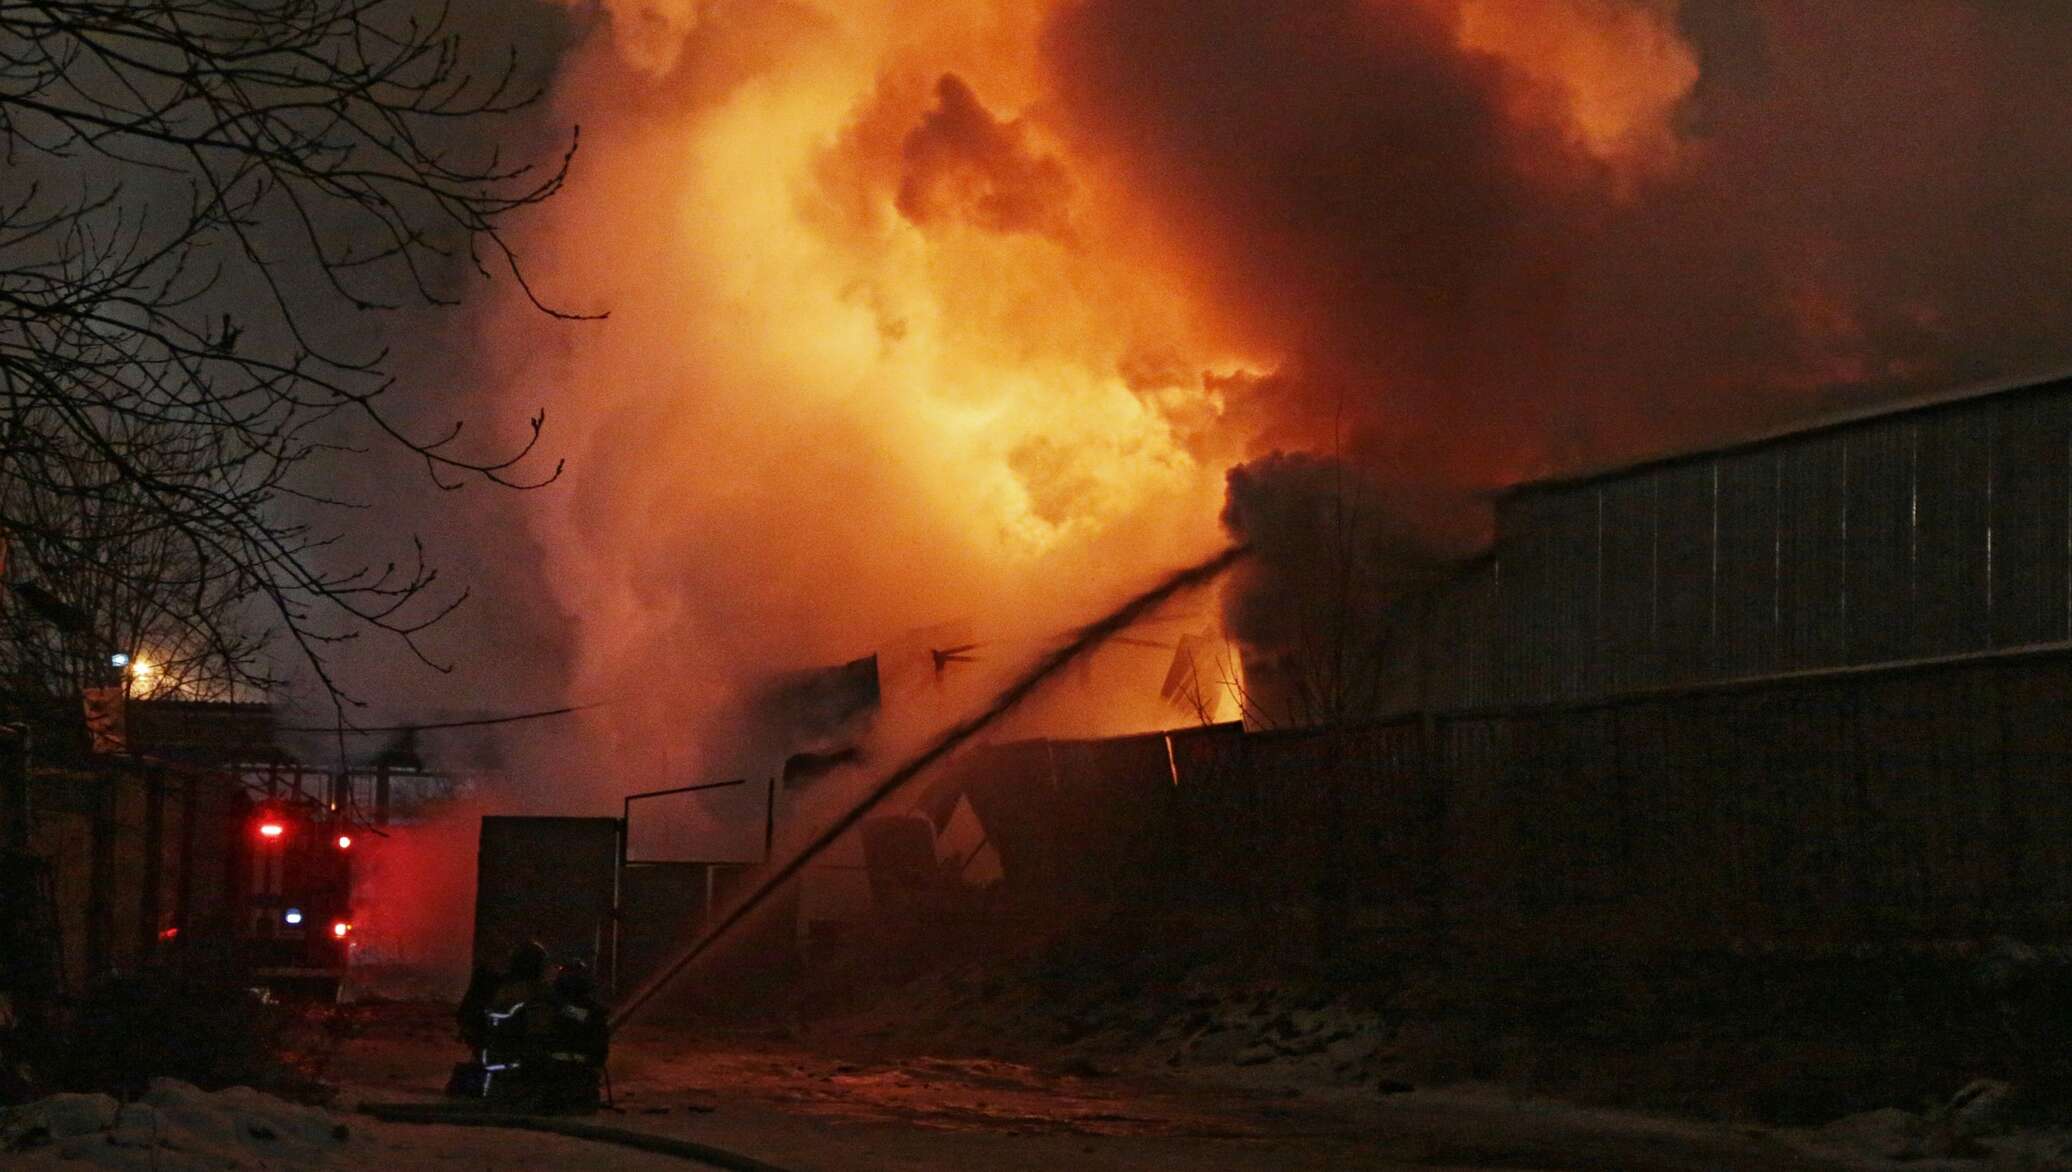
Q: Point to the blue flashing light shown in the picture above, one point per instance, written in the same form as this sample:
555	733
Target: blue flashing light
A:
292	916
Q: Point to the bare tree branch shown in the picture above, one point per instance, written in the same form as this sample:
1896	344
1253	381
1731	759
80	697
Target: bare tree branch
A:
200	198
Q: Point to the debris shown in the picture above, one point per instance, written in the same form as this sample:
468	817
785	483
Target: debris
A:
1888	1133
1083	1067
1983	1107
55	1118
177	1125
136	1125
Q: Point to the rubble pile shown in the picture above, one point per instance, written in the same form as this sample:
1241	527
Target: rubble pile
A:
1981	1122
176	1127
1258	1032
1281	1034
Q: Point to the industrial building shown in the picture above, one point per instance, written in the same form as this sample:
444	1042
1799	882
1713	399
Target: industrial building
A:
1805	691
1932	529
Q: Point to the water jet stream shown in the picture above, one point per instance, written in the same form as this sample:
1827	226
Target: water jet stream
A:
1085	639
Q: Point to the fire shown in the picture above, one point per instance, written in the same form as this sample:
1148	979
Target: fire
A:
890	345
962	311
882	353
980	351
1616	72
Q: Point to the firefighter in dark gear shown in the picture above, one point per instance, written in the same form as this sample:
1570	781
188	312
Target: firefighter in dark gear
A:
579	1039
506	1018
581	1032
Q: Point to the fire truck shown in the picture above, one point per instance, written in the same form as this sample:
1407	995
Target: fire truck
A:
302	842
297	913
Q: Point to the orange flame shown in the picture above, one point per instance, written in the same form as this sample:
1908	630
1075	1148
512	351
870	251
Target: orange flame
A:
888	349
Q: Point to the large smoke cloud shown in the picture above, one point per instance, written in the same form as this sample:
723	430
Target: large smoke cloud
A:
1486	241
933	313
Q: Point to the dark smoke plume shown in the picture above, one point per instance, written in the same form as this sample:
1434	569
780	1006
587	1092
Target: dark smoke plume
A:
1471	281
962	162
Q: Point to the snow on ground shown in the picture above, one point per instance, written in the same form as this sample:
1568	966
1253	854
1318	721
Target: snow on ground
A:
175	1127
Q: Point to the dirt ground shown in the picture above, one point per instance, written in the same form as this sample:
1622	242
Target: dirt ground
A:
813	1111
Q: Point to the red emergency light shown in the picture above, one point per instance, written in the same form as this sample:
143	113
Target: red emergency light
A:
272	828
341	929
345	842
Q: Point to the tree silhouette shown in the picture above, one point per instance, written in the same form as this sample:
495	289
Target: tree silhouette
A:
201	204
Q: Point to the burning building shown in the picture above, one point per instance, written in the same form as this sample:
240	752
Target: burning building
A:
973	309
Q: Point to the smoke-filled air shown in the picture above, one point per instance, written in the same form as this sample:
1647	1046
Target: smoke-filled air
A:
946	324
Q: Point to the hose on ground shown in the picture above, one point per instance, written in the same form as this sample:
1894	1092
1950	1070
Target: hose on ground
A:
465	1115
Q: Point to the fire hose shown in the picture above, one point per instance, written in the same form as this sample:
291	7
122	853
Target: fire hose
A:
1085	639
469	1115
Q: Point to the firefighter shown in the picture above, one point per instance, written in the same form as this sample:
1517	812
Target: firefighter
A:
506	1018
581	1031
579	1040
525	978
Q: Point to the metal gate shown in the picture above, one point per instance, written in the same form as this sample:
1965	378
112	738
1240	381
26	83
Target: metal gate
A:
553	880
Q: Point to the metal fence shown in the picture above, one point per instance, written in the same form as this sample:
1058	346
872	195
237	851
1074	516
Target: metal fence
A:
1898	804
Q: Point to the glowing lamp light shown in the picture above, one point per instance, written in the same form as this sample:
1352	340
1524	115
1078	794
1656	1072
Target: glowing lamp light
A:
118	659
271	829
345	842
292	916
340	929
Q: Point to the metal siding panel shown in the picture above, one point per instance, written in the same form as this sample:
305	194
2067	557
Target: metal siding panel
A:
1522	650
1011	792
1655	842
1880	547
1456	639
1952	600
1733	801
2034	821
1439	645
1476	638
1113	797
545	879
1684	571
1746	599
1401	671
1572	568
1539	813
2031	436
1808	754
1811	516
1899	733
1694	754
1968	884
1215	814
1478	851
1626	638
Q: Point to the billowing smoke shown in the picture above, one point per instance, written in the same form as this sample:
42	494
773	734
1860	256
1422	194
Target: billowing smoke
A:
959	316
1483	240
867	385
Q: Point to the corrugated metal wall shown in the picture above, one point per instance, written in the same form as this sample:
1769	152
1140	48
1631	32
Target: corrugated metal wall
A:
1558	777
1897	806
1934	532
